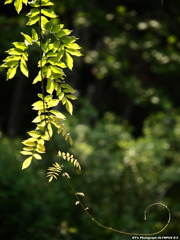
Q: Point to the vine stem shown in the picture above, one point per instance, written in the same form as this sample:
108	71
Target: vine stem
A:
85	209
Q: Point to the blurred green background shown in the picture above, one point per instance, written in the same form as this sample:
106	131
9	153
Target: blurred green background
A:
126	125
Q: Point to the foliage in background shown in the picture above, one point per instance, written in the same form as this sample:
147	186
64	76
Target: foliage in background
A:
133	173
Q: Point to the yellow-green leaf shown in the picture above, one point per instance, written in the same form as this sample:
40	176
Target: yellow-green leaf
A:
49	13
26	153
53	103
37	156
29	142
18	5
23	67
11	72
69	106
69	60
58	114
20	45
8	1
28	39
27	162
34	134
50	86
33	20
38	78
38	105
35	36
50	179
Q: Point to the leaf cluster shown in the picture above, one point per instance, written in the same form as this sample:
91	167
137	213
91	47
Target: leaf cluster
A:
57	49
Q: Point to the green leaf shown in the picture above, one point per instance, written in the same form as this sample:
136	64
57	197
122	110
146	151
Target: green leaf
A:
72	97
27	162
25	1
49	13
28	39
51	54
57	28
69	60
55	69
49	25
60	95
15	51
74	52
70	140
68	39
44	20
35	36
73	46
18	5
50	86
33	12
68	88
60	55
33	20
11	72
69	106
23	67
61	34
38	78
20	45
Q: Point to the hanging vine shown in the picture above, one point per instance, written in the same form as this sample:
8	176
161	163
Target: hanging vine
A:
57	47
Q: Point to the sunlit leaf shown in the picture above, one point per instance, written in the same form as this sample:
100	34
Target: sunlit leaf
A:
15	51
27	38
72	97
61	34
26	153
58	114
53	103
49	13
50	86
18	5
38	78
69	106
8	1
74	52
34	134
33	20
27	162
34	35
20	45
29	142
23	67
69	60
38	105
37	156
11	72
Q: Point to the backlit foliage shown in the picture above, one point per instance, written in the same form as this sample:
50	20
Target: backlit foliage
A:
57	49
